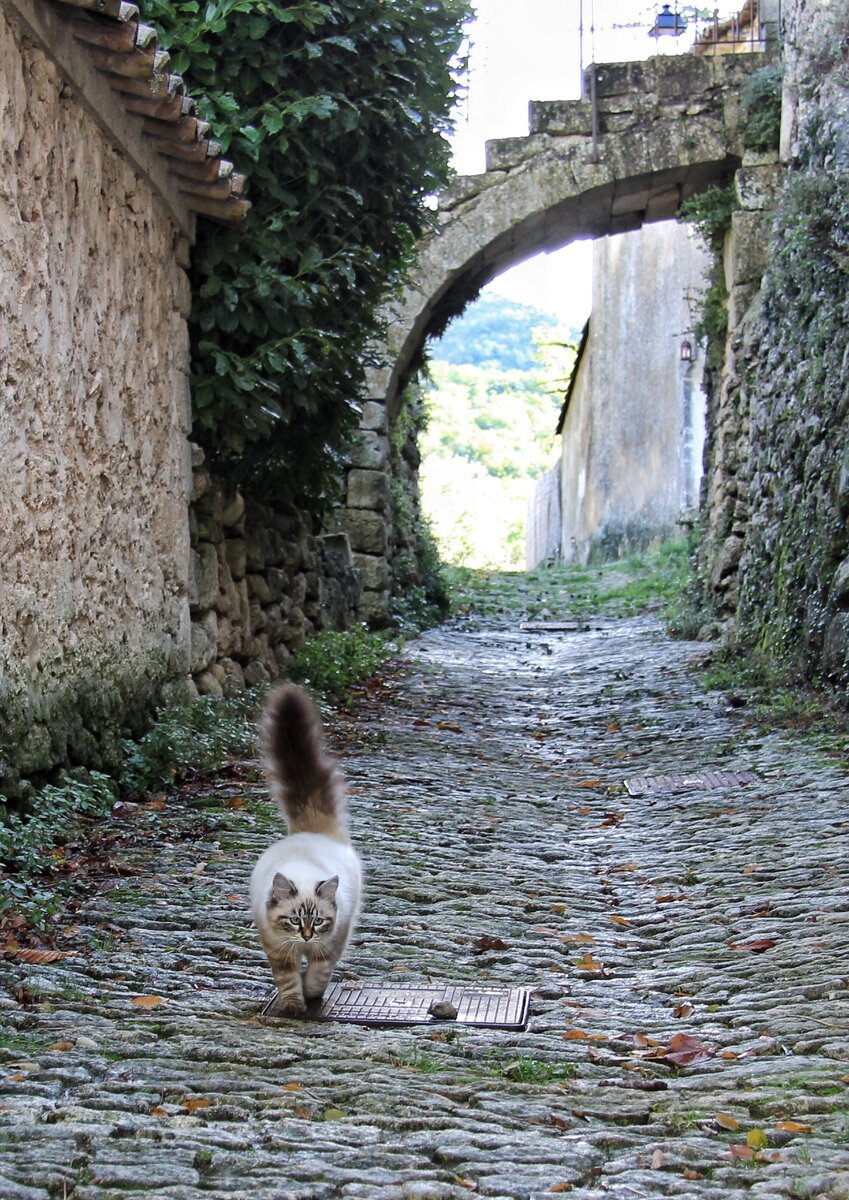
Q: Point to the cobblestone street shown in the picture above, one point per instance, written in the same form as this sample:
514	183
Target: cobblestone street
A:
501	847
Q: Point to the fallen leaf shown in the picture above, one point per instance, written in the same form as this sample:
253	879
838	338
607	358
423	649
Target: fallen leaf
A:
613	729
558	1122
642	1040
589	783
689	1173
466	1183
148	1001
159	1112
61	1046
684	1050
728	1054
658	1160
292	1087
41	957
333	1114
489	943
683	1010
620	920
744	1152
588	963
794	1127
725	1121
303	1114
236	802
233	896
449	726
193	1103
670	898
575	1035
560	1187
756	947
757	1139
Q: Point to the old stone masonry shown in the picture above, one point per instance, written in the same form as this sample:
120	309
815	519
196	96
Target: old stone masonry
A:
686	953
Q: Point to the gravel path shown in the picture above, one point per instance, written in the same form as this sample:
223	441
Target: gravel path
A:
501	847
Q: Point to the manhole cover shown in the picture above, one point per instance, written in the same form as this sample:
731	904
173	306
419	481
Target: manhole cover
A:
380	1004
657	785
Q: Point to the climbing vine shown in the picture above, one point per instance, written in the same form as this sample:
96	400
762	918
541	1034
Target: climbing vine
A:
337	110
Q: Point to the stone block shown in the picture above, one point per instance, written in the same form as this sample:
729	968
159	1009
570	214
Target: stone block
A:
369	451
373	418
374	609
234	677
232	509
236	555
561	117
204	643
747	247
840	586
758	187
835	653
367	531
374	572
208	685
203	577
369	489
337	550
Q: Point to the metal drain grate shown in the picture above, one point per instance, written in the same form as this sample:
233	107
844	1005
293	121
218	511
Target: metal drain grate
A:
658	785
379	1004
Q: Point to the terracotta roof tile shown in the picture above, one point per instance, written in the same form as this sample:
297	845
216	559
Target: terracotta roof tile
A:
128	55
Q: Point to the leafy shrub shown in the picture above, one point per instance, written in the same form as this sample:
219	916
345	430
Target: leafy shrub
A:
336	110
761	100
710	213
28	842
190	739
332	662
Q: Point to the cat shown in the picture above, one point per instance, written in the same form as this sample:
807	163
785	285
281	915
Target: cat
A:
305	889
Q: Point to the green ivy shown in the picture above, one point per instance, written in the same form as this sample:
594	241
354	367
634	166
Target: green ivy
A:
710	213
761	100
337	112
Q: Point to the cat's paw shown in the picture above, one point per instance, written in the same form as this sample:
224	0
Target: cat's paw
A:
289	1006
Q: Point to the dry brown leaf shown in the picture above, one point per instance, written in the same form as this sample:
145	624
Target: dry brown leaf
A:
617	920
575	1035
449	726
589	783
148	1001
726	1121
794	1127
683	1010
61	1046
292	1087
689	1173
193	1103
744	1152
159	1112
588	963
670	898
658	1160
643	1040
41	957
560	1187
684	1049
756	947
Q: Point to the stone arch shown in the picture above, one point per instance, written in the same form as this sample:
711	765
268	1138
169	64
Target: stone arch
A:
659	132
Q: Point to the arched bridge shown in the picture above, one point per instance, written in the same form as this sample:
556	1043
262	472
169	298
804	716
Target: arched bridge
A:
656	133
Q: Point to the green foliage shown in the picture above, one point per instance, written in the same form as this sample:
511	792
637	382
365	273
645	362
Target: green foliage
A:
28	843
652	579
761	100
190	739
333	662
496	334
710	213
337	111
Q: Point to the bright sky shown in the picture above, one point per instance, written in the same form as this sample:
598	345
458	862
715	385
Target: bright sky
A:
533	52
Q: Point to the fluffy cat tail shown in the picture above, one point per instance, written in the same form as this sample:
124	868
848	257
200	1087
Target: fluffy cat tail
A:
304	779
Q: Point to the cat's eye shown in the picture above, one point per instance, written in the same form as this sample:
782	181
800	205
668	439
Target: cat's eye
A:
295	921
318	922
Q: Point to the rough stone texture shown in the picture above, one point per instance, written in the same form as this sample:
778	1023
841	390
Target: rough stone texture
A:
369	489
262	582
500	848
634	429
668	128
94	464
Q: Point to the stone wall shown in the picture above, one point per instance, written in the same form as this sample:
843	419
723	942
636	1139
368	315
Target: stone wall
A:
94	464
261	583
634	426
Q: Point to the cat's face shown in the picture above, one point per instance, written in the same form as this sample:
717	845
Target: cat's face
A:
302	917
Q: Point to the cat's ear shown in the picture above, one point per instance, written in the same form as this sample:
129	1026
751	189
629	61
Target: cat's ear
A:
327	889
281	889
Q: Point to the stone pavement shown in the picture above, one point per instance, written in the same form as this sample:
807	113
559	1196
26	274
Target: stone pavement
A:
501	847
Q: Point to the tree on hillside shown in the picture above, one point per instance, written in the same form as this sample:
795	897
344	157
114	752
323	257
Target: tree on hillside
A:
337	110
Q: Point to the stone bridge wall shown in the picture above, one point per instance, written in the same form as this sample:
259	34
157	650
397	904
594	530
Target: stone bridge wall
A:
667	128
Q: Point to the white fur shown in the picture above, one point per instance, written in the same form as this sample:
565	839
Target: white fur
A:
307	859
